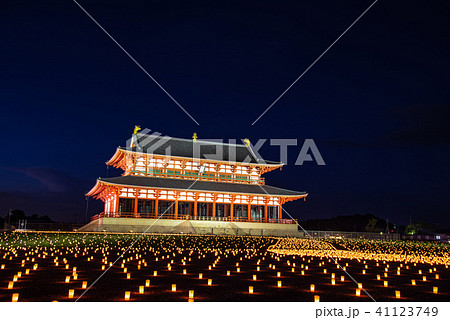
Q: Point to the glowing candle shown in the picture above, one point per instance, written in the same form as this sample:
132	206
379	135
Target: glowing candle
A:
75	276
424	278
302	272
435	290
15	297
333	282
324	270
209	282
191	294
279	284
19	274
174	287
125	270
358	292
342	278
155	273
141	289
10	284
360	286
128	275
385	283
184	271
413	282
147	283
71	293
15	278
397	294
3	266
238	270
278	274
312	288
254	277
437	276
127	295
258	268
378	277
316	298
333	276
200	275
84	285
250	290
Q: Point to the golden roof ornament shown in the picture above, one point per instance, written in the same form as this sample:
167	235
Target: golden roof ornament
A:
136	129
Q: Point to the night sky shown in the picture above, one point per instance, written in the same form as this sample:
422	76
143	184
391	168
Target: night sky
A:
377	104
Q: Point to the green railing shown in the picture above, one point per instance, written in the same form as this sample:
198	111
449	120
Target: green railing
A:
202	176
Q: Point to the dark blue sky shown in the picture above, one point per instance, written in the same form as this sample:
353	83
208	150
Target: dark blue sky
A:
377	104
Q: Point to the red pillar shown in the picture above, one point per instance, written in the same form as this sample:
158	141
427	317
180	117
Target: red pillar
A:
176	208
265	211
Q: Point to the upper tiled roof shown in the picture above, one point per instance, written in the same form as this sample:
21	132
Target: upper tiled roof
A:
201	149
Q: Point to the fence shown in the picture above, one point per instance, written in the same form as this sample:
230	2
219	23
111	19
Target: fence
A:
349	235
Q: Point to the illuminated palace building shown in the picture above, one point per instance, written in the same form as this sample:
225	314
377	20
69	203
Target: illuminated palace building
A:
190	186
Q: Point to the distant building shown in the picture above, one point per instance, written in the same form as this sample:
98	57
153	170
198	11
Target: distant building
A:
174	184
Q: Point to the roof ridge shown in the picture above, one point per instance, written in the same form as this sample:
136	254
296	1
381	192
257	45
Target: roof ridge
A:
190	140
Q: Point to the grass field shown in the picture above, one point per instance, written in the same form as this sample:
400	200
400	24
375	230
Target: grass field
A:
47	266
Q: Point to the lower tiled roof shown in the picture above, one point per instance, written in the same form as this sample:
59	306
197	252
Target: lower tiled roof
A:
184	184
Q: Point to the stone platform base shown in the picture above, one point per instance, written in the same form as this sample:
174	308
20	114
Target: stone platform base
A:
190	227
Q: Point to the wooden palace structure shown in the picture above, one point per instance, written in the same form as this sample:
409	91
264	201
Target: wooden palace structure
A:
191	186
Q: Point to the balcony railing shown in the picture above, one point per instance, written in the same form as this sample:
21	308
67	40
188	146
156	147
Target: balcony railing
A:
188	217
220	177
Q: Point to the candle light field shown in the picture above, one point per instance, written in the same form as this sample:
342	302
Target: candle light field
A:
40	266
